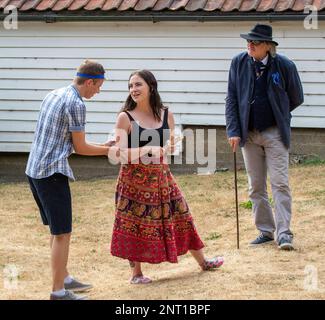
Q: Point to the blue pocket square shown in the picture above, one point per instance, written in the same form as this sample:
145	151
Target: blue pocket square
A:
276	78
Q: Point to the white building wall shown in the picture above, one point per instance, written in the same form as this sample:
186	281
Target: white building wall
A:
189	59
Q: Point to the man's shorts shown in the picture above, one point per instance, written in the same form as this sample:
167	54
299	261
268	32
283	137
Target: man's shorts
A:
53	197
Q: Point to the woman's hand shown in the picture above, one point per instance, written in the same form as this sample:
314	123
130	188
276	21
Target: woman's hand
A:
109	143
169	148
154	151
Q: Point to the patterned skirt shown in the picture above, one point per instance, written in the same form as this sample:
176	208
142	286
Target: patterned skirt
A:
153	222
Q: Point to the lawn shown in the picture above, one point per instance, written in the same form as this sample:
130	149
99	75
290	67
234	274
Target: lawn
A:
248	273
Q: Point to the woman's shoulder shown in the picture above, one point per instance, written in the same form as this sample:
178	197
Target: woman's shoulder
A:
123	119
170	117
169	112
166	109
122	115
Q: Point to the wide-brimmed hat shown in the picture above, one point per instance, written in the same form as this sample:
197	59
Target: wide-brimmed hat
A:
261	32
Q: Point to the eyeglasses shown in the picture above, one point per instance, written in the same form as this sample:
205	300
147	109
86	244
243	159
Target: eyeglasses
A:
255	42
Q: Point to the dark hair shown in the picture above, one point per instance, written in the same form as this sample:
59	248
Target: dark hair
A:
155	100
90	67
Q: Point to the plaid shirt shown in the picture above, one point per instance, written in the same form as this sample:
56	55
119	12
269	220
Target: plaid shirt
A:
62	112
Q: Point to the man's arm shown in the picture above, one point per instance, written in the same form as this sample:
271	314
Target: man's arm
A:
294	88
232	116
81	146
108	143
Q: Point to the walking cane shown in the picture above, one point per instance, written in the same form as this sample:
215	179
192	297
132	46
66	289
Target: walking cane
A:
236	196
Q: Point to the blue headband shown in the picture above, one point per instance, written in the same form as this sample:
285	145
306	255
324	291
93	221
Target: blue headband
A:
89	76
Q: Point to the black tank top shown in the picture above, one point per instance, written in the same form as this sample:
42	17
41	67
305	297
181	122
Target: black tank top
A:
140	137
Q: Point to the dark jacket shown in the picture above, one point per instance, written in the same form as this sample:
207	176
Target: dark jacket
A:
284	93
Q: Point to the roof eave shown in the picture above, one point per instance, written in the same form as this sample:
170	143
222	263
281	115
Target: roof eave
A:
84	15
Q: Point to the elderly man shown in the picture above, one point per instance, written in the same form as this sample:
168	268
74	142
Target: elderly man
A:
263	88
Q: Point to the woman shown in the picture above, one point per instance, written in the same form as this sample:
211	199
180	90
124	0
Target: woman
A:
153	222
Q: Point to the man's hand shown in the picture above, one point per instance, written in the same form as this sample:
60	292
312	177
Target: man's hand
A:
234	142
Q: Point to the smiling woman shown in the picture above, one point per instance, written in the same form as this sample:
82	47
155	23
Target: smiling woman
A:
153	222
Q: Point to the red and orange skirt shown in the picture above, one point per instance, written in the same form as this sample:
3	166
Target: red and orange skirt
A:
153	222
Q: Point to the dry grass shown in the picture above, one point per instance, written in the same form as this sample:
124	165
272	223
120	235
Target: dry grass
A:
250	273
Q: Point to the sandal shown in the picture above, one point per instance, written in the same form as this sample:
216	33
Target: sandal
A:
212	263
140	279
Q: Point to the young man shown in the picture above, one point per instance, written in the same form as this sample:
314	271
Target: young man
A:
263	89
60	129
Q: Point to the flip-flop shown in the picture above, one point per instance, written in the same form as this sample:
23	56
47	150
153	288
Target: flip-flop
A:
140	280
212	263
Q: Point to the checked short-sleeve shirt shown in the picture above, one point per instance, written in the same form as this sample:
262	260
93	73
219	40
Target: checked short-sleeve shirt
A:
62	112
